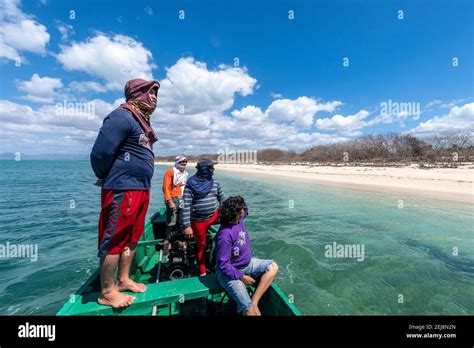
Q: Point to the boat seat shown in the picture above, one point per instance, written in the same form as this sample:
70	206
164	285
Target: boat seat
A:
199	286
157	294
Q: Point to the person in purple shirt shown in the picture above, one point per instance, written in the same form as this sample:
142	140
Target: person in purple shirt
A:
235	266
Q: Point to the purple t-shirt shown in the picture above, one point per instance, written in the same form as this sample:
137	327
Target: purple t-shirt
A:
233	248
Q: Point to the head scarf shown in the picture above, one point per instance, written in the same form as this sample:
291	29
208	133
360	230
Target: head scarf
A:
202	182
180	175
139	103
178	165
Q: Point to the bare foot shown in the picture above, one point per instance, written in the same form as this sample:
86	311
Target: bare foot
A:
257	309
252	311
115	299
130	285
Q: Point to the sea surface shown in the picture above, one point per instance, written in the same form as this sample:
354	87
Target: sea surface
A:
418	253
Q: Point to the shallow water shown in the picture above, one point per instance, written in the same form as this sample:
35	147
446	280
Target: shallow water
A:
408	251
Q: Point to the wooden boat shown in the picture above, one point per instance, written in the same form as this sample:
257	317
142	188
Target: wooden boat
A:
173	285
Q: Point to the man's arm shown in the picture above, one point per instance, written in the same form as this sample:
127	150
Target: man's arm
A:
224	255
167	183
188	201
113	132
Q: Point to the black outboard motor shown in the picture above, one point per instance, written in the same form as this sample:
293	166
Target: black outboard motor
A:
181	256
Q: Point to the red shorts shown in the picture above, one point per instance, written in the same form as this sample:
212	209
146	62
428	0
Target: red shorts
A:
122	219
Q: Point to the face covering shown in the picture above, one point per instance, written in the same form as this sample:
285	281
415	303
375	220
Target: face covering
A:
140	104
202	183
180	176
177	163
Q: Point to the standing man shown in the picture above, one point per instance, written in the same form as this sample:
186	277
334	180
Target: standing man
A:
173	186
202	198
123	161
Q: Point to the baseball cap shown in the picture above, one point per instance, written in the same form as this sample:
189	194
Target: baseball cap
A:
205	162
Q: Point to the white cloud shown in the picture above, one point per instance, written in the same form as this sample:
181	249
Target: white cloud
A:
15	113
458	118
247	128
192	98
20	32
432	103
452	103
250	114
191	88
115	60
205	123
439	104
52	128
40	89
26	35
75	115
345	124
300	111
25	128
234	133
86	86
183	123
65	30
206	95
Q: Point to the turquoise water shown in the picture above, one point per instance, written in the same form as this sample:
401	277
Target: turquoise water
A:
408	251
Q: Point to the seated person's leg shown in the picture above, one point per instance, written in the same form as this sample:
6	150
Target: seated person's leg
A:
237	291
257	267
264	271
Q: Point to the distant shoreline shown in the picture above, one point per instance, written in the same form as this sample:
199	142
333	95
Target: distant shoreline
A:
451	184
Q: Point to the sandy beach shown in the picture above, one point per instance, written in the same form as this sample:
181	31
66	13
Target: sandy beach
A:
451	184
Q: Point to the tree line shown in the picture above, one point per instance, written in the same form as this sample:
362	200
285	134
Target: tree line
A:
450	148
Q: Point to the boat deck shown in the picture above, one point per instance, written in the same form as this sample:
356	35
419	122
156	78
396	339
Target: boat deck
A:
193	295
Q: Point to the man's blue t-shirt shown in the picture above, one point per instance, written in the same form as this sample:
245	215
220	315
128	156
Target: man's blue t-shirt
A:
122	154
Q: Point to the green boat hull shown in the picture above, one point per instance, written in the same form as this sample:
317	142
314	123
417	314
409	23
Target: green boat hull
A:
193	295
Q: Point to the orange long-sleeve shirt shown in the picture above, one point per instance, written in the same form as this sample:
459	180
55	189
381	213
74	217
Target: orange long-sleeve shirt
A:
169	190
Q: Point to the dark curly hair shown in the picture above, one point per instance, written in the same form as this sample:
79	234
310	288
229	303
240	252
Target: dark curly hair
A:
230	210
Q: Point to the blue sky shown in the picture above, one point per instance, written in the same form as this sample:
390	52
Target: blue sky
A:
290	88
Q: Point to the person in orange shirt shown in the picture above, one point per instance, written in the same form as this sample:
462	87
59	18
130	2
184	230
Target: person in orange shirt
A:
173	185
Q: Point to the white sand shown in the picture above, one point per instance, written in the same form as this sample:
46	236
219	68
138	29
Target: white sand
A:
453	184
